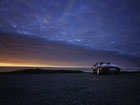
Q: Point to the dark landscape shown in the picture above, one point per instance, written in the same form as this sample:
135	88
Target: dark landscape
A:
70	89
40	71
51	51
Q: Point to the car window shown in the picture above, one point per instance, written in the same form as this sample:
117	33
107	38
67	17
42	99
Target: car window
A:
98	65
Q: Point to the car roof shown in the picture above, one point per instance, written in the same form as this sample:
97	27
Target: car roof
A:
102	62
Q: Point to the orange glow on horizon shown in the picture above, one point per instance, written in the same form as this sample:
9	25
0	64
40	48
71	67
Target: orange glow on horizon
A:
34	65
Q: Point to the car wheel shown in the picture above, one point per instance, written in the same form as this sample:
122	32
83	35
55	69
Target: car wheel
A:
98	72
117	73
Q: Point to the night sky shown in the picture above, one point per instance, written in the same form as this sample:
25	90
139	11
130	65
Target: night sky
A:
70	33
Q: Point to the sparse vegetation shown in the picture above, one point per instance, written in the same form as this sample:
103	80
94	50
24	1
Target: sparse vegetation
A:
40	71
130	71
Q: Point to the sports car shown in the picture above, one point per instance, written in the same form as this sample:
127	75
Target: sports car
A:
105	68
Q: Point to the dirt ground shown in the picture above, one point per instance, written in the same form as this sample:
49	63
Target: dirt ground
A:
69	89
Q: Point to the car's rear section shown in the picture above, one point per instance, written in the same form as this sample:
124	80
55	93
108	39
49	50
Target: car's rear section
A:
105	68
108	70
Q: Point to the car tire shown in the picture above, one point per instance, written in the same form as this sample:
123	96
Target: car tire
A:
117	73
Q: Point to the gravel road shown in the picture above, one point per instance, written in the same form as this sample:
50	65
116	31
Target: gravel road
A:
70	89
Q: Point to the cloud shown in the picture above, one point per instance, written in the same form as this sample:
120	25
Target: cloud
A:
23	49
105	25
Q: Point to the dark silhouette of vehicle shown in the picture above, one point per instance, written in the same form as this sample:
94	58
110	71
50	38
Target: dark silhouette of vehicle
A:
105	68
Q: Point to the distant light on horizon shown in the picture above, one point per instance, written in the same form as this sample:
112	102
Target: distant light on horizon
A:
31	65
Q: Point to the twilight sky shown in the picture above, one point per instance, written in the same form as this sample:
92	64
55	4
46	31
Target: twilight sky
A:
74	33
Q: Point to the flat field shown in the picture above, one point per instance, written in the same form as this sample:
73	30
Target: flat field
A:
69	89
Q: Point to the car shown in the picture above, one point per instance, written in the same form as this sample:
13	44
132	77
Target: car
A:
105	68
